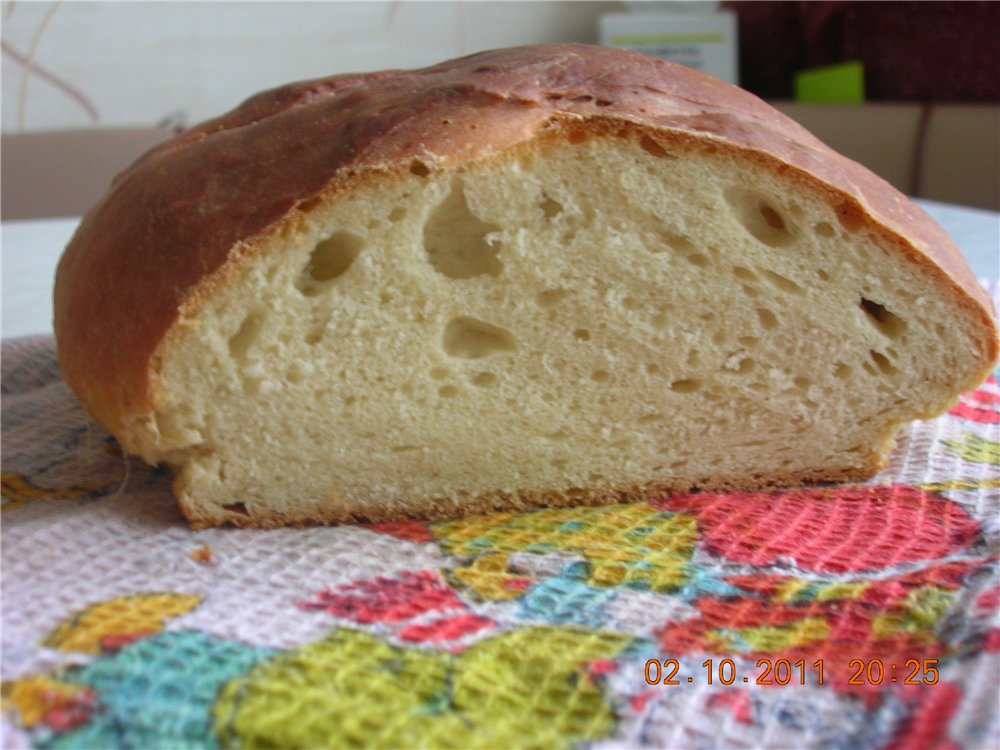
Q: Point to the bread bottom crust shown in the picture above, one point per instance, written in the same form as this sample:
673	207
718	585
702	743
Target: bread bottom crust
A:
439	509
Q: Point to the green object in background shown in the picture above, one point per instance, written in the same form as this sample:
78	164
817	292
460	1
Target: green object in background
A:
834	84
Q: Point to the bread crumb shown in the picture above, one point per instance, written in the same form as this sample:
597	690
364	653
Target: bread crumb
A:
202	555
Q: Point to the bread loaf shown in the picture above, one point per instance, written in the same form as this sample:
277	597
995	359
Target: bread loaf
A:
536	276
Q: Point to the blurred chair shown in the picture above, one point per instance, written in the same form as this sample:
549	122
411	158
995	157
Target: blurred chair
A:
943	152
961	156
63	173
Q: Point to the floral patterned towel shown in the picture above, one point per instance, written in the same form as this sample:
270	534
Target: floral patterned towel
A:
849	617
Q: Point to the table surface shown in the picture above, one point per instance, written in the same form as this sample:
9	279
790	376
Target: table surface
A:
31	250
860	616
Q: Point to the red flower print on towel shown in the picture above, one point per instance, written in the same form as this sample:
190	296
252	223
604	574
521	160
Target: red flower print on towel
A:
982	405
836	530
385	599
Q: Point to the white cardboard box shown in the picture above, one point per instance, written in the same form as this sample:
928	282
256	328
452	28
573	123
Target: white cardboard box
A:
704	41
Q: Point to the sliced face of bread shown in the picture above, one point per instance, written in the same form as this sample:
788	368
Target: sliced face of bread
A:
593	306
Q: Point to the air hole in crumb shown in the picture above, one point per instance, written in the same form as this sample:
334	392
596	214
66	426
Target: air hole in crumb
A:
440	373
822	274
748	340
802	383
842	371
759	216
560	463
603	102
468	338
397	214
685	386
655	149
783	283
771	217
744	273
750	291
329	260
245	336
884	321
315	333
550	208
595	477
582	333
823	229
679	243
600	376
550	297
767	318
447	391
457	242
418	168
882	362
484	379
652	368
240	508
406	448
699	259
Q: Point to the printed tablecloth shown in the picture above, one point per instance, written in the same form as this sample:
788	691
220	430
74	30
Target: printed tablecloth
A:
754	613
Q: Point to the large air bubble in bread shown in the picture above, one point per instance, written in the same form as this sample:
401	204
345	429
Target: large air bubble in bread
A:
592	303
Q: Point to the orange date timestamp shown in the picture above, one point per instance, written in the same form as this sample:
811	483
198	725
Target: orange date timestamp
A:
787	672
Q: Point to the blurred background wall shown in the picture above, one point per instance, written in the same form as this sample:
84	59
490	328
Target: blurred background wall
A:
88	85
132	63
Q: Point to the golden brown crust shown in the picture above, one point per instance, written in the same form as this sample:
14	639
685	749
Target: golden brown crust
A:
493	502
182	214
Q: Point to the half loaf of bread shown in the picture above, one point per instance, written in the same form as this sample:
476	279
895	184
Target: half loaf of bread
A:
535	276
